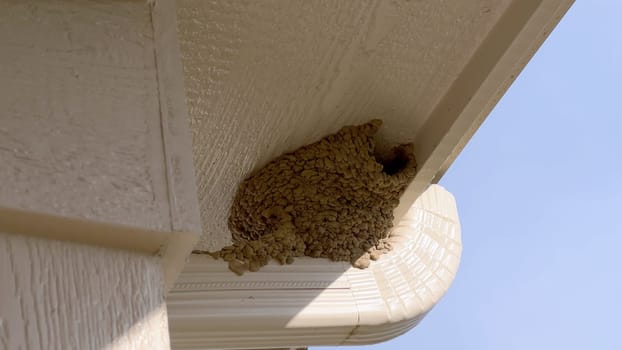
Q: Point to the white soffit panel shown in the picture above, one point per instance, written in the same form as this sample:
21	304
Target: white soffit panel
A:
266	77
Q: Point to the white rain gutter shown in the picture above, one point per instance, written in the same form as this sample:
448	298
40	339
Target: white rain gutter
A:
319	302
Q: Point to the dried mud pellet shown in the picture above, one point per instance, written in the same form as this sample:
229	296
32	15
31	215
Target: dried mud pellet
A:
238	266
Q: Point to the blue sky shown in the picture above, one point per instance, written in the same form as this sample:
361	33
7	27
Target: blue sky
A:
539	192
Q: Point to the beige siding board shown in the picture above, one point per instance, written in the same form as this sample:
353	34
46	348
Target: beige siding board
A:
80	112
95	144
61	295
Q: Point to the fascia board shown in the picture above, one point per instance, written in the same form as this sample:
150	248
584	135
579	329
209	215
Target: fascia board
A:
491	70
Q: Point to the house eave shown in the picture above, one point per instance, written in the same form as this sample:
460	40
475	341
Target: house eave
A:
318	302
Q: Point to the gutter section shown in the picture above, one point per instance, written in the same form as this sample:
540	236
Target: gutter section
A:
319	302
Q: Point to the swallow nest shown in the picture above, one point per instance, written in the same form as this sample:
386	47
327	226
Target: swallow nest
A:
331	199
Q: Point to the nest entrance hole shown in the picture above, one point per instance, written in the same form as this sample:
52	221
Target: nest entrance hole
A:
393	161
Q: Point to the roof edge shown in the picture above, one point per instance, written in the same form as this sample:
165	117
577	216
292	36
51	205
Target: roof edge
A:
486	77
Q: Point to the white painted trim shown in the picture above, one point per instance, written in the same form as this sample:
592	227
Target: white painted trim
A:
495	64
177	143
318	302
175	123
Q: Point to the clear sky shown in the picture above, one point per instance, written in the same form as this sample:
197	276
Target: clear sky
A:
539	193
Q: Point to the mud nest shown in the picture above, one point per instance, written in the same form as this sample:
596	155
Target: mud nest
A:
331	199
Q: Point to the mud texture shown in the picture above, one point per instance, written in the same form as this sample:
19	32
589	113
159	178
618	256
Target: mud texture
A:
330	199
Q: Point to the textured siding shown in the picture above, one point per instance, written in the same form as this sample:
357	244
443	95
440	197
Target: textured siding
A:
94	138
60	295
80	112
265	77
